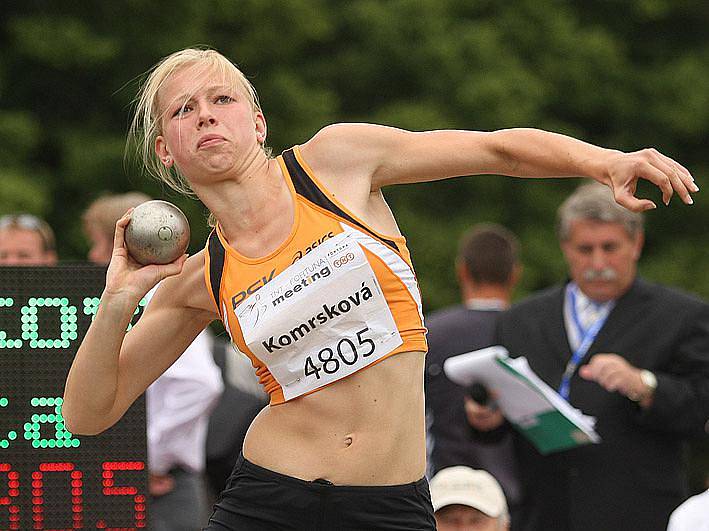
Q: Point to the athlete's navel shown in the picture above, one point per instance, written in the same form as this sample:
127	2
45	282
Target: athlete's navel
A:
348	441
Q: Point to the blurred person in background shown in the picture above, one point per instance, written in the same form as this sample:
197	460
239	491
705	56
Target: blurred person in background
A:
26	240
487	268
178	403
465	499
632	354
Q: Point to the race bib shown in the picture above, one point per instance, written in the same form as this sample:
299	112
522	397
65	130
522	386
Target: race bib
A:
321	319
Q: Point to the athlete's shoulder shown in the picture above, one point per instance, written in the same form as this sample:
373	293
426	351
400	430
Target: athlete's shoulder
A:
344	145
348	132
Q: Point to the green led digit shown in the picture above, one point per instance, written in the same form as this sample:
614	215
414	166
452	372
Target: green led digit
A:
91	306
63	438
7	302
30	322
11	435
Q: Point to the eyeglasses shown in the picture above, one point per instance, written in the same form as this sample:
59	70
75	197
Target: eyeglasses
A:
29	222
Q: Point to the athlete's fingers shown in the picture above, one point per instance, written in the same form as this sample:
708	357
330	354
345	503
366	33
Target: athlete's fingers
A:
119	235
685	174
171	269
658	178
629	201
676	176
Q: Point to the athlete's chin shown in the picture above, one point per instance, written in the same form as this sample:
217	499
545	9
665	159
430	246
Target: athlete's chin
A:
218	165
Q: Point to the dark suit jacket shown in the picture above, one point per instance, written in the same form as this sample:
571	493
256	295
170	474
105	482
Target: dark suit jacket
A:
454	331
635	477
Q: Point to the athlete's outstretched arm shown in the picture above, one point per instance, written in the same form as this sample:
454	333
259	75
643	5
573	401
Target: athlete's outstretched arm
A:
386	155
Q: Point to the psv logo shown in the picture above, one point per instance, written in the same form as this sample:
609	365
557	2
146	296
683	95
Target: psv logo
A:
253	288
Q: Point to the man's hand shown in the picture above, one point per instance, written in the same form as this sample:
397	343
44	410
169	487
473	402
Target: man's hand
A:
614	373
160	484
483	418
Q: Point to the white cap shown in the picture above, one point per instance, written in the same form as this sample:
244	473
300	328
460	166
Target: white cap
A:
461	485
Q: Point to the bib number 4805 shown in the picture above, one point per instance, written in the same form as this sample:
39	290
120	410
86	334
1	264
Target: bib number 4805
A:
346	352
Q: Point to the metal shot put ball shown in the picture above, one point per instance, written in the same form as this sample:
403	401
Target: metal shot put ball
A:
158	233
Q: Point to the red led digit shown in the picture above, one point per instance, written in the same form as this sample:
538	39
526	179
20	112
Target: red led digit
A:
77	500
13	491
110	489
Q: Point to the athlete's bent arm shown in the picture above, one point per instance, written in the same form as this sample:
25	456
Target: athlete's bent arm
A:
385	155
112	368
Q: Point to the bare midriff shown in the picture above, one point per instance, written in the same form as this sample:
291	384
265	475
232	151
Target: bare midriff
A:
366	429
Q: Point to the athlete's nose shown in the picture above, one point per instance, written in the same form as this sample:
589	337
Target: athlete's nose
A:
205	117
206	120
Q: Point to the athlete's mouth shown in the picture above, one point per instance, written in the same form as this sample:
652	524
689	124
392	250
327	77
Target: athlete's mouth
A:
210	140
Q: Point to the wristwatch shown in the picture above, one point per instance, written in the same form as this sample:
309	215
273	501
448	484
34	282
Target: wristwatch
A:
649	380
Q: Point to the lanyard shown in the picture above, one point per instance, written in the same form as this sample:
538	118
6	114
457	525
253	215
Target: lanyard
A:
587	337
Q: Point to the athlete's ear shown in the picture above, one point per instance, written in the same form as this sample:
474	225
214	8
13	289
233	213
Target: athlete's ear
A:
163	152
261	128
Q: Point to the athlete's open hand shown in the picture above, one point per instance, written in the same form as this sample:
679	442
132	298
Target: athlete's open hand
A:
624	169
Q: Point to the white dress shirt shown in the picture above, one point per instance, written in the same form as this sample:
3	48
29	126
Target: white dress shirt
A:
692	515
587	310
178	405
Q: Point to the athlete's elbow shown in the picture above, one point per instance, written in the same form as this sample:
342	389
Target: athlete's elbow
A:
82	424
76	427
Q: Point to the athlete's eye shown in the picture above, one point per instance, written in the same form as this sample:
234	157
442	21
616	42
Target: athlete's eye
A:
224	99
181	111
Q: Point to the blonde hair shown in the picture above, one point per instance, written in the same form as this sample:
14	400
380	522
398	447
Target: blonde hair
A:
104	211
147	122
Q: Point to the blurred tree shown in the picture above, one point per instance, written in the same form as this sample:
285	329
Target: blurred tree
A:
68	76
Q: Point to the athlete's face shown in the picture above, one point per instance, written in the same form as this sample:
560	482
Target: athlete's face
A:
209	126
602	258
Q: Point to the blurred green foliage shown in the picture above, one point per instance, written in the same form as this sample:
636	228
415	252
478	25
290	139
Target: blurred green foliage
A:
624	74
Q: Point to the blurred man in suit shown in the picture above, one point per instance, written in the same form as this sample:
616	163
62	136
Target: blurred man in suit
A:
633	354
487	267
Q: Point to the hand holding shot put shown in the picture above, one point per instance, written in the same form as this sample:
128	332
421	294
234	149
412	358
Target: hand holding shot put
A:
339	348
141	257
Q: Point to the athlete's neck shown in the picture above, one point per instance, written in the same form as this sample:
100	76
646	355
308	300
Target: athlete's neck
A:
253	208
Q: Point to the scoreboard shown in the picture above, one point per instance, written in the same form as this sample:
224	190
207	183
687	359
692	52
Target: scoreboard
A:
51	478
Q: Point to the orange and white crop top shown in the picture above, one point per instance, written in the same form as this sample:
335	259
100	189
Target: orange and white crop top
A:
334	298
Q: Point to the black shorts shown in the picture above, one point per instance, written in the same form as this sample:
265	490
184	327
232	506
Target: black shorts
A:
258	499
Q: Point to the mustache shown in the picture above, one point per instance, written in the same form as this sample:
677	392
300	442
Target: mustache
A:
606	274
